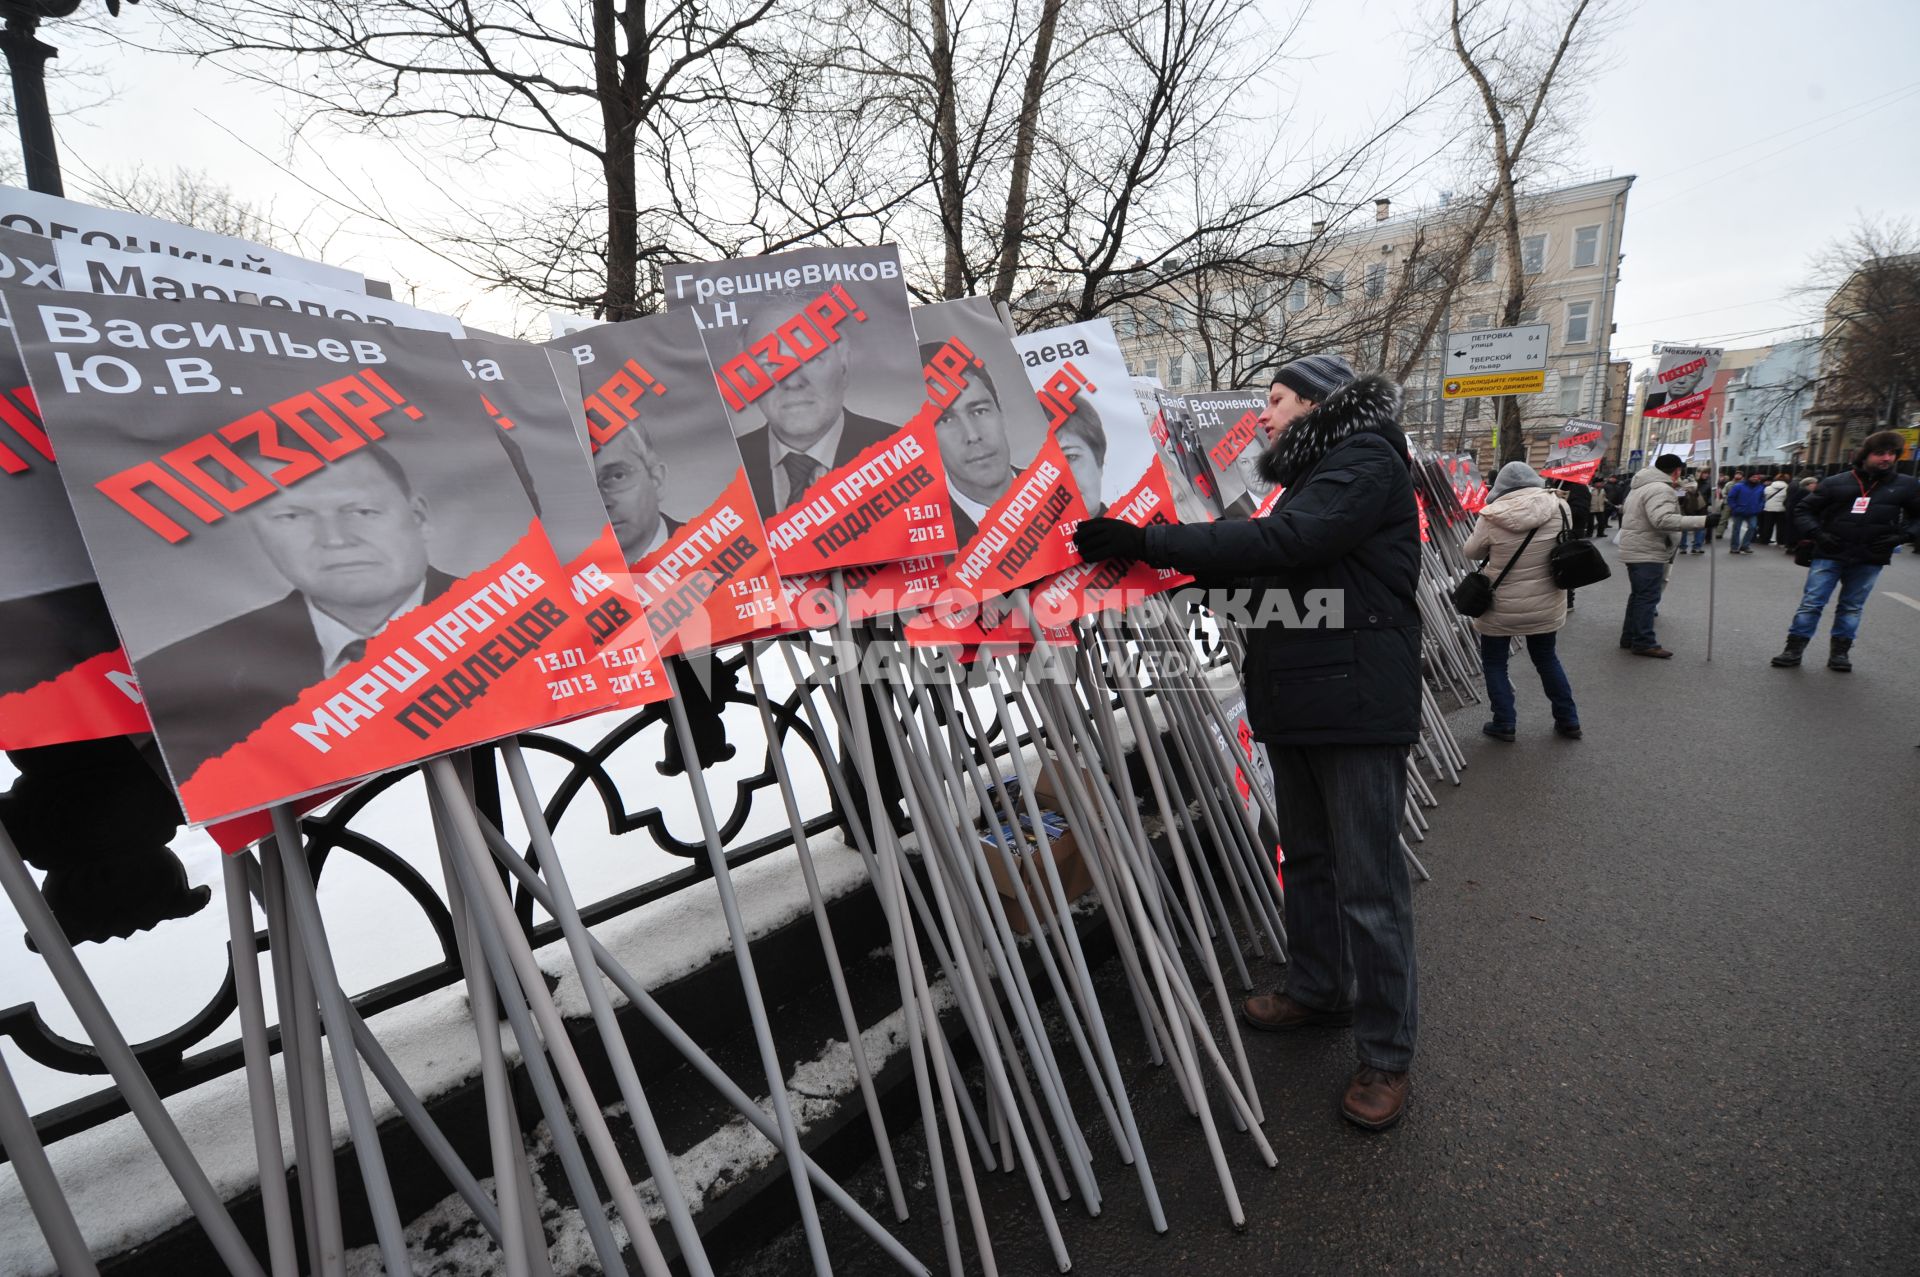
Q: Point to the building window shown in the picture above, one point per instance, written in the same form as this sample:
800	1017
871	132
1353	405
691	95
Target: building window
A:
1479	321
1472	412
1297	295
1336	288
1531	315
1153	368
1579	323
1376	279
1569	394
1533	254
1483	263
1176	370
1586	247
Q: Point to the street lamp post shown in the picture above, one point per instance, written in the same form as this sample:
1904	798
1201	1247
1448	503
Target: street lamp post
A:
27	56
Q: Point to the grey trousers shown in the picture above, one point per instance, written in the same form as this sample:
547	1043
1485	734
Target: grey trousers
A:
1349	897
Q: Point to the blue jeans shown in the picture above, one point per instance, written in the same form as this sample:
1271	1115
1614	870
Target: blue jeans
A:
1693	539
1743	526
1646	582
1348	897
1855	581
1494	650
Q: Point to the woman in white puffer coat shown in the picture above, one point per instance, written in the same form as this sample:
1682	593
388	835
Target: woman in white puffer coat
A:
1526	602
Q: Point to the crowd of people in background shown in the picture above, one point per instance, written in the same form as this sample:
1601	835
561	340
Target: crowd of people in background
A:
1842	527
1756	505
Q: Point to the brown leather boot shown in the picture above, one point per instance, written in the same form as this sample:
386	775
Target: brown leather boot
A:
1277	1012
1375	1098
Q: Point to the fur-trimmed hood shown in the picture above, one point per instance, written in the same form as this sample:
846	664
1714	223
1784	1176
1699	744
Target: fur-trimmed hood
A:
1369	404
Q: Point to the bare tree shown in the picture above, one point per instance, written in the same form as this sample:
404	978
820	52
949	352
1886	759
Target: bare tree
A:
614	100
1869	283
1150	176
190	198
1522	64
1042	148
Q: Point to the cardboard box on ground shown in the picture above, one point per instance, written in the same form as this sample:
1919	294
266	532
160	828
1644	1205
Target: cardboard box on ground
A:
1075	880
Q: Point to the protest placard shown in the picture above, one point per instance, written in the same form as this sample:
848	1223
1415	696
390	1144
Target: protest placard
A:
1015	463
316	549
1575	452
1176	437
111	228
1136	482
1188	505
1682	380
1231	443
815	357
521	392
672	483
93	268
63	676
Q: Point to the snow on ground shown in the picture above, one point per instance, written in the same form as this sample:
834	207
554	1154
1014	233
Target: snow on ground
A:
446	1241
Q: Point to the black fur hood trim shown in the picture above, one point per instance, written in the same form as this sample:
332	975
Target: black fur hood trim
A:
1366	404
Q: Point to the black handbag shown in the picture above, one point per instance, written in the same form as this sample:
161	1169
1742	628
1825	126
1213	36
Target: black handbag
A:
1575	562
1474	595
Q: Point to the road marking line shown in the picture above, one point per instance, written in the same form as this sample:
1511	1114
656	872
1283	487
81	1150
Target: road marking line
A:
1912	603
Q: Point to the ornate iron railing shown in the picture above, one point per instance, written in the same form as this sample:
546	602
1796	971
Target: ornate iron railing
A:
176	1058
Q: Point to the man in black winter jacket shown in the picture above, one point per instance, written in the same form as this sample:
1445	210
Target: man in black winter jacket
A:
1851	522
1336	702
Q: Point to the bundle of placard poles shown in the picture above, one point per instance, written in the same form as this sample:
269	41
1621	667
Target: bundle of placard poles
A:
1140	760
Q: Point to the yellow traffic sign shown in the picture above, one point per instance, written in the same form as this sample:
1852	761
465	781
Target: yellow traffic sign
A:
1498	383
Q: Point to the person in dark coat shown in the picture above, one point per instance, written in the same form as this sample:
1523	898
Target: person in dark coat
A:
1579	504
1851	522
1579	499
1334	695
1617	489
1796	493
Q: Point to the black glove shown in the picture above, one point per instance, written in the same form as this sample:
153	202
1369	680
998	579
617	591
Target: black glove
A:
1098	539
1713	521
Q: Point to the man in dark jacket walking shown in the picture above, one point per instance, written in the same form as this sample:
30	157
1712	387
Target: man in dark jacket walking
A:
1337	705
1746	501
1852	522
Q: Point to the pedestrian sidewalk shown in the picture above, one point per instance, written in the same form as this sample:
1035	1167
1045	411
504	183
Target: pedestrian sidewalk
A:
1667	981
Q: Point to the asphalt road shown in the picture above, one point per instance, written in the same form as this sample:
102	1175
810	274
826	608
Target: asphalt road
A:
1667	979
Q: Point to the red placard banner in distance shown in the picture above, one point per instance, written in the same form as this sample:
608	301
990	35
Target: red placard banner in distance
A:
1682	381
315	545
1576	451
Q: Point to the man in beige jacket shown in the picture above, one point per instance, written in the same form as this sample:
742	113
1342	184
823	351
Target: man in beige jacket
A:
1648	526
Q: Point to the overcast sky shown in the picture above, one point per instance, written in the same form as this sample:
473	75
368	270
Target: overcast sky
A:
1757	133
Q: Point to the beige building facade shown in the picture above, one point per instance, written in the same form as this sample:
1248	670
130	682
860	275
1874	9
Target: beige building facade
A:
1366	290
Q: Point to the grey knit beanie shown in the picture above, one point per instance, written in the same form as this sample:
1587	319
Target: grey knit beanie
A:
1314	377
1512	477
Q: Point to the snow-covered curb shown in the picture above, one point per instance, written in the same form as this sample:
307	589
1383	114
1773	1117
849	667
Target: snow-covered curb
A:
122	1195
